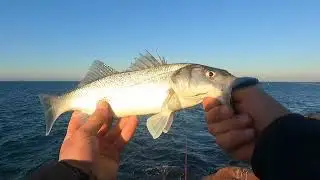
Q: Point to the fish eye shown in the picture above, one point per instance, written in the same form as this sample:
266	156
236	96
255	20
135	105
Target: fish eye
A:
210	74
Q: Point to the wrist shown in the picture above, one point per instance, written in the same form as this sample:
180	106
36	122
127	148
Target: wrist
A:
273	110
263	108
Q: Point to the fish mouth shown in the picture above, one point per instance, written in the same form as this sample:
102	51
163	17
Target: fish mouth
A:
197	96
236	84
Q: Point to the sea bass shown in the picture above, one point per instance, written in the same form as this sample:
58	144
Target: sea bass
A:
150	86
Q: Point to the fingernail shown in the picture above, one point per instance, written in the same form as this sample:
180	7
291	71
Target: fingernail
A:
209	103
205	103
102	107
83	117
76	113
102	104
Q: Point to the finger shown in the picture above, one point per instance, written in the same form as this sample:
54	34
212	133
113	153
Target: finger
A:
97	119
243	153
105	127
209	103
235	138
236	122
76	121
127	132
218	114
115	132
106	142
103	130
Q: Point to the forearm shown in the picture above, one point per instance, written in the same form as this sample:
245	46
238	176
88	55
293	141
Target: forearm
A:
288	149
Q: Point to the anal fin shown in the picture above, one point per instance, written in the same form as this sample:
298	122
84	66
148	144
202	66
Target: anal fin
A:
156	124
168	125
162	121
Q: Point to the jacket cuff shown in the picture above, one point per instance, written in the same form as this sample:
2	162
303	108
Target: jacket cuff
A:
59	170
271	145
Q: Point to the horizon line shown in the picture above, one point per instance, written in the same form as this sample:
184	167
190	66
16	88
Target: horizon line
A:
264	81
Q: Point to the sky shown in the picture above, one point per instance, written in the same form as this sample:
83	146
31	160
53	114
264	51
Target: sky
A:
58	40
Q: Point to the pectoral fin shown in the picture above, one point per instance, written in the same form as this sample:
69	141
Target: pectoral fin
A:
172	103
156	124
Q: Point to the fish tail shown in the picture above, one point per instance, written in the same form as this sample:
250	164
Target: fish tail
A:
52	109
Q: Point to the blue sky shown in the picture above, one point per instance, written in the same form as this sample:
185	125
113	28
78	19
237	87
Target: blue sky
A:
58	40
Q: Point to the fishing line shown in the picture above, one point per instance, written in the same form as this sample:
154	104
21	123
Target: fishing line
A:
186	148
185	161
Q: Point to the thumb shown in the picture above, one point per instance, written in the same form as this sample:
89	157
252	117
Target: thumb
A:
101	115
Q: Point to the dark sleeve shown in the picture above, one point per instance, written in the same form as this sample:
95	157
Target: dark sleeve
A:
59	170
289	148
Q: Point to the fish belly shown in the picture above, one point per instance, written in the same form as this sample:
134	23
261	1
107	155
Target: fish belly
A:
125	101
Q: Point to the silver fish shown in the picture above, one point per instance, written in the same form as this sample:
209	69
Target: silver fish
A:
150	86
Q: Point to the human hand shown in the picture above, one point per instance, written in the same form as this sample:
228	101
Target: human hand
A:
236	131
262	108
92	147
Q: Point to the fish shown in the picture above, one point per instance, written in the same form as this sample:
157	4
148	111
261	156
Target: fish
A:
150	86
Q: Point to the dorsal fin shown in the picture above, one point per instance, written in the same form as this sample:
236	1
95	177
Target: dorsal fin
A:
146	61
97	71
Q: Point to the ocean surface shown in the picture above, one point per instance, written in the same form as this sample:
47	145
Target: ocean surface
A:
24	146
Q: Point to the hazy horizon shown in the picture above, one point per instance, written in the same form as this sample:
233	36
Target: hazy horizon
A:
58	40
262	79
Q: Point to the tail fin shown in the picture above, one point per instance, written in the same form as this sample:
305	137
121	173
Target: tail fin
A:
52	110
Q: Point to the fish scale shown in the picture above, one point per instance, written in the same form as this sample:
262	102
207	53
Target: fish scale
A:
136	77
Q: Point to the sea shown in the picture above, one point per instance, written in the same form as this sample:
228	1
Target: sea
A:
24	147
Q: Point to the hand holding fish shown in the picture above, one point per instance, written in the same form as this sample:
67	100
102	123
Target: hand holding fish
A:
233	133
236	132
92	147
259	105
